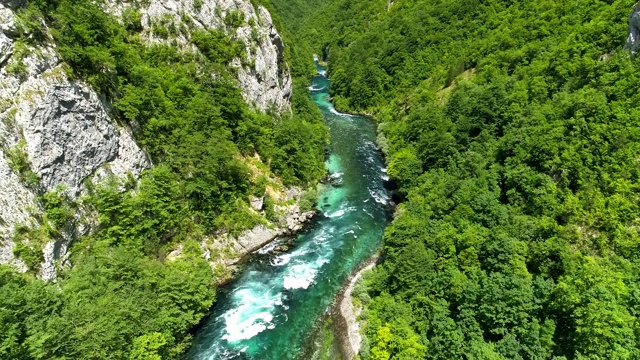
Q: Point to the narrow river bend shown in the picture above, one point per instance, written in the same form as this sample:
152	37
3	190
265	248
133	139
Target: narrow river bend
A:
268	311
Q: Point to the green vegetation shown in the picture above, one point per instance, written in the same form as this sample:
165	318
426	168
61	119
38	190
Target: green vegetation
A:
58	215
234	19
123	298
58	209
308	201
328	348
19	163
30	253
217	46
512	130
109	306
17	68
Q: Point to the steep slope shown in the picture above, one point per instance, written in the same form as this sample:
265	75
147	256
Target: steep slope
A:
55	132
264	79
146	146
58	132
511	128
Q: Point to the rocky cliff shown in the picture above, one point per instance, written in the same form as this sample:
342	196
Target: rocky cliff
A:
265	81
633	36
56	134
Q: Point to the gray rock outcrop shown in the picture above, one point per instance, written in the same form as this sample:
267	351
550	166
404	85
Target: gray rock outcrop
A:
70	135
6	48
257	203
267	83
7	23
61	127
264	78
290	220
12	4
633	32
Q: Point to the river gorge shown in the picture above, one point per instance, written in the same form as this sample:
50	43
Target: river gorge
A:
270	309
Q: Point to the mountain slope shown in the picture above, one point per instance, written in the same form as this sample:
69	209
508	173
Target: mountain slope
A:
511	128
146	147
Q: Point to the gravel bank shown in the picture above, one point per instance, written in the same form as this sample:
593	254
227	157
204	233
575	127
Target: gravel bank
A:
350	335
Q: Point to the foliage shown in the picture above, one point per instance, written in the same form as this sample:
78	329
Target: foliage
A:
31	254
19	163
308	200
234	19
217	46
58	208
29	242
512	130
17	68
124	298
111	306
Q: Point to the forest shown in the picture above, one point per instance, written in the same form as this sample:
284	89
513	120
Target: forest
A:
512	130
123	299
511	127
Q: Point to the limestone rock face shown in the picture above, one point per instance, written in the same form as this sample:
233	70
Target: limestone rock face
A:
267	83
7	22
264	77
257	203
255	238
15	202
62	128
69	135
12	4
6	48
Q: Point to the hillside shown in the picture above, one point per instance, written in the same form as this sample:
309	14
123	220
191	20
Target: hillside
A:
146	146
512	130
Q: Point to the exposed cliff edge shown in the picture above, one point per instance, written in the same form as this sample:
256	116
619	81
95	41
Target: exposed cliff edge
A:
265	80
58	133
60	128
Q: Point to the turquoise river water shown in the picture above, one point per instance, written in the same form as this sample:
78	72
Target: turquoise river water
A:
270	309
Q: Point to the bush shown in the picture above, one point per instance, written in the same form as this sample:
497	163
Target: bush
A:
309	200
31	255
58	209
19	163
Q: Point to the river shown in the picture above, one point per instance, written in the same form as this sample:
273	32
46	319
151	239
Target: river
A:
270	309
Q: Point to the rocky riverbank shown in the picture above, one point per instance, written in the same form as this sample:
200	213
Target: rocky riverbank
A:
347	323
225	251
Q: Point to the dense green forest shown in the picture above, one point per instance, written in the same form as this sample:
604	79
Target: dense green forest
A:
512	129
122	299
